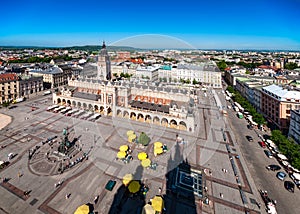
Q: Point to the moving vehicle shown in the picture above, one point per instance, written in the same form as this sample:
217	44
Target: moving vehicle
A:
290	186
249	138
281	175
268	153
273	167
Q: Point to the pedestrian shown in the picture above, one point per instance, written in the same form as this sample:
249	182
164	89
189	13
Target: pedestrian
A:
221	195
159	190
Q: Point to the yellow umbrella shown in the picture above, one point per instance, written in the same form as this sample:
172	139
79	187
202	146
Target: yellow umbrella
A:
158	144
131	138
142	156
121	154
134	186
130	132
158	151
148	209
83	209
157	203
123	148
127	178
146	162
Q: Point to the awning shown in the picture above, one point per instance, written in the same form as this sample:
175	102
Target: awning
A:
158	144
282	157
134	186
127	178
285	163
157	203
121	154
146	162
142	156
158	151
131	138
148	209
130	132
296	176
85	209
123	148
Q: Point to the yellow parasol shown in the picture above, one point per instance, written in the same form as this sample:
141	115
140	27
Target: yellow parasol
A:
157	203
121	154
142	156
131	138
130	132
127	178
146	162
83	209
134	186
123	148
158	144
148	209
158	151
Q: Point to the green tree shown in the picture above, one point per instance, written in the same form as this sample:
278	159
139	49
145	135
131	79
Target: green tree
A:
291	66
144	139
188	81
195	82
5	104
222	65
164	79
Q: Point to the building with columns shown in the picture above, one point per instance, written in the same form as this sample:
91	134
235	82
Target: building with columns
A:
163	106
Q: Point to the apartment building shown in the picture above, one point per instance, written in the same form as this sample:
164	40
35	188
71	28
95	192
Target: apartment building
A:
277	103
9	87
29	84
294	131
52	77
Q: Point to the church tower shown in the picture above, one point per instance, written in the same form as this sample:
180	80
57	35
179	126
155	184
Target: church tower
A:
104	70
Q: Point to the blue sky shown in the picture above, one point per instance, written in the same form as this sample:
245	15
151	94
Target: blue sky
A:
232	24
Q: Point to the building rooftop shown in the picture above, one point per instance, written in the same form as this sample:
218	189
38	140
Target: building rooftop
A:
282	94
52	70
8	77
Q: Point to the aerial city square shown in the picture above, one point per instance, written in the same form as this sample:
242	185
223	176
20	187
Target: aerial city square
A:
150	107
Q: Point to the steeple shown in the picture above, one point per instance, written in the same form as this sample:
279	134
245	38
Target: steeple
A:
103	45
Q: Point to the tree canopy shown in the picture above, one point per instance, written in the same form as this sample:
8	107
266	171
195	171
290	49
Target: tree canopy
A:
144	139
287	147
291	66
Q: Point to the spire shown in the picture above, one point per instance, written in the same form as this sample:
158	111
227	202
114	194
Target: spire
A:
103	45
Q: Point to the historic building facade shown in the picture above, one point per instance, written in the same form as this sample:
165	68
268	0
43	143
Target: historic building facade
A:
104	64
172	108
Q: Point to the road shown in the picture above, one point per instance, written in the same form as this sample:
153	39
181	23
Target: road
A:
257	161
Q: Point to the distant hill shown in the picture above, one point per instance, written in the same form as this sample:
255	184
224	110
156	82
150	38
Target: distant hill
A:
84	48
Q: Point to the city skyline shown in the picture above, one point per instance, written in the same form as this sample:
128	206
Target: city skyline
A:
259	25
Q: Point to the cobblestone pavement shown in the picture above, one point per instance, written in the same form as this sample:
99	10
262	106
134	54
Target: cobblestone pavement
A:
205	150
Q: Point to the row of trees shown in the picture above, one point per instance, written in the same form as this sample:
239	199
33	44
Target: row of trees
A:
288	147
237	97
35	59
291	66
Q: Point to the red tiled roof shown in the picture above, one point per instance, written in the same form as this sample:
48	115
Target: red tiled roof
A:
8	77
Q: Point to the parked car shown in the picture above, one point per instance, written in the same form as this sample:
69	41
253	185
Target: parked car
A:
281	175
110	185
249	138
268	153
273	167
262	144
290	186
